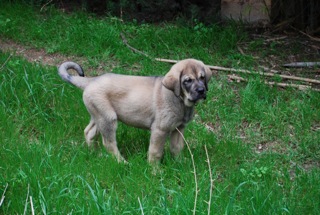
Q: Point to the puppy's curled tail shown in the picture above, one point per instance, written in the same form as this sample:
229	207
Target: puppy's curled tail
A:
79	81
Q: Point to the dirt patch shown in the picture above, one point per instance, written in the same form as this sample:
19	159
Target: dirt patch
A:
34	55
31	54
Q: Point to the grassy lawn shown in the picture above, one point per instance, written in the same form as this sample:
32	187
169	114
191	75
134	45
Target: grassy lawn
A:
263	142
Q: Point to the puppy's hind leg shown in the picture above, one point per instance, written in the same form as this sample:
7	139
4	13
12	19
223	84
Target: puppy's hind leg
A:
90	132
108	130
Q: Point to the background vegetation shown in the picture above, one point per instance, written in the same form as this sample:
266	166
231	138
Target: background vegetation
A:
263	142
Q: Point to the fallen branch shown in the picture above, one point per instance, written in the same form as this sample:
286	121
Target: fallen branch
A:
311	37
276	38
298	86
194	173
3	195
219	68
46	4
302	64
125	41
268	69
269	74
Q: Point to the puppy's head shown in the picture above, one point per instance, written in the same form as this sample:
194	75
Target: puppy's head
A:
188	79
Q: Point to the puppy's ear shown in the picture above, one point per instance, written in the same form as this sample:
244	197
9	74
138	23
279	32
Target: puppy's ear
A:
208	76
172	80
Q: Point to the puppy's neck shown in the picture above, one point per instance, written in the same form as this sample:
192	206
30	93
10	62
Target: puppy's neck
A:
188	114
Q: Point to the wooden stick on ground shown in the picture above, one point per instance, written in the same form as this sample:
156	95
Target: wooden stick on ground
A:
298	86
31	205
3	194
125	41
219	68
302	64
269	74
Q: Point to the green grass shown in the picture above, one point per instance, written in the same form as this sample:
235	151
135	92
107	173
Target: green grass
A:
43	153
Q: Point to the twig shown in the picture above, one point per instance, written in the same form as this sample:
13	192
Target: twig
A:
311	37
302	64
240	50
141	208
166	60
124	39
211	180
31	204
268	74
194	173
299	86
219	68
6	61
3	194
45	5
265	74
26	205
237	78
268	69
275	39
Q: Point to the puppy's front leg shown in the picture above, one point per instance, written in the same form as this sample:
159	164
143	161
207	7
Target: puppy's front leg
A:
156	147
176	141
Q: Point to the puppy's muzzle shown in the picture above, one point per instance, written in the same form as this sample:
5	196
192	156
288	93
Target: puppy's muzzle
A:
201	93
198	94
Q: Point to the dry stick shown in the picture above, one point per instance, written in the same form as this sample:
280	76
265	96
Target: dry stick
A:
224	68
266	74
45	5
140	206
276	38
299	86
268	69
194	173
311	37
249	72
31	204
302	64
130	47
3	194
211	180
26	205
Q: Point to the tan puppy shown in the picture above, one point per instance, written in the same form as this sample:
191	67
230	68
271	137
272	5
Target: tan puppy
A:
160	104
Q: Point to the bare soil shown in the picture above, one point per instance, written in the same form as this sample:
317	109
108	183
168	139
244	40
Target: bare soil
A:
32	54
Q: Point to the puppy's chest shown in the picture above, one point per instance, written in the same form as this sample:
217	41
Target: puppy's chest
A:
182	118
188	114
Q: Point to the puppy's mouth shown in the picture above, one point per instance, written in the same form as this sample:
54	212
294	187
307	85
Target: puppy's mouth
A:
197	98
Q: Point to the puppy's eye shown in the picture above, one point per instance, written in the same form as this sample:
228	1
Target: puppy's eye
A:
187	81
202	78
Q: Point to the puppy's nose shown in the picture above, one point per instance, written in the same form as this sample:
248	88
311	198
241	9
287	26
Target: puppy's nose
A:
200	90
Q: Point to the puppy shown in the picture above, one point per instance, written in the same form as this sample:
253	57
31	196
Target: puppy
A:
161	104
